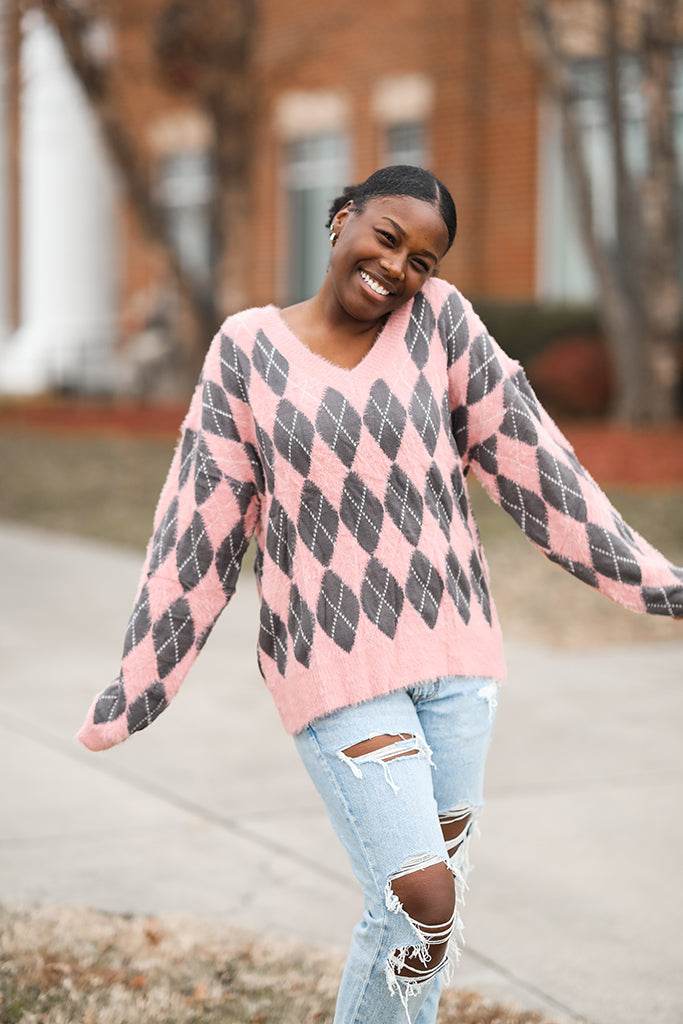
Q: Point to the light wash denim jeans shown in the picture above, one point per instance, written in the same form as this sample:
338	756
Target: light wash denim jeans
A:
387	807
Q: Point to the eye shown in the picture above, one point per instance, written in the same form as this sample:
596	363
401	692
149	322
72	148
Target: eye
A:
422	265
387	236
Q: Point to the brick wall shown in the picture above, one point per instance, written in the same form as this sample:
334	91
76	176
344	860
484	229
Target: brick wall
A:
481	128
482	131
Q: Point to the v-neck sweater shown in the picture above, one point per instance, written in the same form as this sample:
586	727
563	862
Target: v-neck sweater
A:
369	565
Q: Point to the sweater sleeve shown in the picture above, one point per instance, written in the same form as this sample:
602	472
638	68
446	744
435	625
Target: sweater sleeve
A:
206	515
530	469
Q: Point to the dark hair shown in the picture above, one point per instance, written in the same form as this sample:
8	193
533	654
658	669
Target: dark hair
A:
401	180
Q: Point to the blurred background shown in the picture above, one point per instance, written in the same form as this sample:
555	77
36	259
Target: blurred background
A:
164	163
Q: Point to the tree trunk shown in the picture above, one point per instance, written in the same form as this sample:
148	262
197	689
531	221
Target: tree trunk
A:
662	300
230	103
638	279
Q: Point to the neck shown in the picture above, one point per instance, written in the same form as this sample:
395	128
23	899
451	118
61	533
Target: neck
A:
331	316
324	327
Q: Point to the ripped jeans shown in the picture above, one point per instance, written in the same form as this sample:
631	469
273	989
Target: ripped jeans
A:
407	806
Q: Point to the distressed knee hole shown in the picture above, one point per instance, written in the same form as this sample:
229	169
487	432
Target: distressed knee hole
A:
430	892
425	892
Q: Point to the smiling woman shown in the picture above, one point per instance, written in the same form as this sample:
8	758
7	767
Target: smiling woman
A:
338	433
388	236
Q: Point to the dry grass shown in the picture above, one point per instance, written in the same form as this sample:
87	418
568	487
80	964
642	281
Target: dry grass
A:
59	966
99	486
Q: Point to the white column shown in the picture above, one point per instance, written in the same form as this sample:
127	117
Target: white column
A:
4	182
68	230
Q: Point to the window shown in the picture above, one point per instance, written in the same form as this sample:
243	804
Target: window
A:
405	144
402	105
565	270
316	172
186	189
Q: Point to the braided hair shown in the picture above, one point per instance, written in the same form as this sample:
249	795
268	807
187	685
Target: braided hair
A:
401	180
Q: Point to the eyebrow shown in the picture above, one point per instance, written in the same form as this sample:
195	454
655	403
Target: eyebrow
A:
422	252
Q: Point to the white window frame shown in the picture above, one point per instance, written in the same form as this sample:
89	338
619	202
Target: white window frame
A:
316	171
403	103
315	166
186	183
405	142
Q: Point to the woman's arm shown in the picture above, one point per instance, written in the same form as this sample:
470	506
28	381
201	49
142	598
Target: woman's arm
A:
530	469
206	514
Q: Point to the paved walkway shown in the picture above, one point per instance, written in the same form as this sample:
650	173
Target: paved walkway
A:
576	905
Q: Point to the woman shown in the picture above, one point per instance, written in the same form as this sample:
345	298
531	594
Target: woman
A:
338	433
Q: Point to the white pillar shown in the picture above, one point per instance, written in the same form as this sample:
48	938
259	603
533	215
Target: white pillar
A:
4	182
68	230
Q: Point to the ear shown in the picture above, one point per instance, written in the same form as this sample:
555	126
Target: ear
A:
341	216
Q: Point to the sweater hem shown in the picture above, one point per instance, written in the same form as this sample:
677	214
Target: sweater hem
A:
294	723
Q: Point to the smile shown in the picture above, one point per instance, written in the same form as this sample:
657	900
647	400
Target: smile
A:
371	283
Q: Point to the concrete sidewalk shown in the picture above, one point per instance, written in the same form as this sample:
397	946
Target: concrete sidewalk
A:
576	905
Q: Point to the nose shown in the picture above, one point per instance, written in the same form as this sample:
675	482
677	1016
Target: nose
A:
394	265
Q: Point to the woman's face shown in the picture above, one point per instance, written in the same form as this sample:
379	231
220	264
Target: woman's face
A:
384	253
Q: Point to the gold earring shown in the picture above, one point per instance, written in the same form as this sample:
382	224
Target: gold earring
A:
333	238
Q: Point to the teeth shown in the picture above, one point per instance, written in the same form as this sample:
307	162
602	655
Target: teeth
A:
370	281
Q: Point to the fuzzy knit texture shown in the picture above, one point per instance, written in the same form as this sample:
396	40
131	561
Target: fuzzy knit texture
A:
369	565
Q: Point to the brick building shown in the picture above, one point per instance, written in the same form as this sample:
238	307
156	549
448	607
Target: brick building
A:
452	88
339	90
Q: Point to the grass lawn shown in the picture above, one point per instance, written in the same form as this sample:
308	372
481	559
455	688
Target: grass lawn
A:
78	965
99	486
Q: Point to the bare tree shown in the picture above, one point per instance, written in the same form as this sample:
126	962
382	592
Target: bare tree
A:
638	270
200	49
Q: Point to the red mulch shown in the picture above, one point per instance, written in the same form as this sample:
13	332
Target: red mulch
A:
637	457
122	418
615	455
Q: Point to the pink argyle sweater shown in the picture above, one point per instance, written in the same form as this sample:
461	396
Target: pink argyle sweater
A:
352	482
